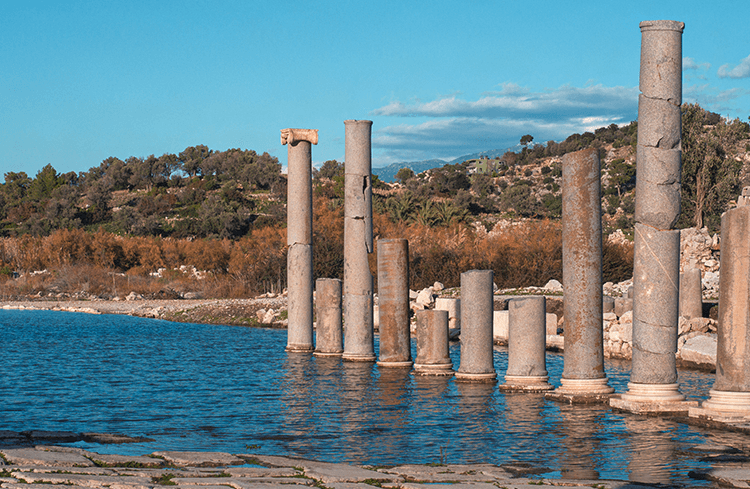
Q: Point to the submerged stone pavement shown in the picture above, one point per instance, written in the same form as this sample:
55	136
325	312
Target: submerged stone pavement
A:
39	466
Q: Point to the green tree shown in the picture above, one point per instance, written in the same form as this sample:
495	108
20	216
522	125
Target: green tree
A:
404	174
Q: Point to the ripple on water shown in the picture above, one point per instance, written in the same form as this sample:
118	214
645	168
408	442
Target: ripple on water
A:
207	387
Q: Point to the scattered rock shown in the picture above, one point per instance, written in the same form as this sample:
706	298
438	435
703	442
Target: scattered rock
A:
553	286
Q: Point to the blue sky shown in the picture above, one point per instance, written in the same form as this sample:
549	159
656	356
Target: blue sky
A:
82	81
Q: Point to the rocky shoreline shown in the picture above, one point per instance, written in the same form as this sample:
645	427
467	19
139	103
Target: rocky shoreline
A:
24	467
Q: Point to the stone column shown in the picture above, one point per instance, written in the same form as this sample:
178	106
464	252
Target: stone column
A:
358	287
527	348
477	364
656	273
393	303
691	293
433	357
583	373
329	337
453	306
730	396
299	238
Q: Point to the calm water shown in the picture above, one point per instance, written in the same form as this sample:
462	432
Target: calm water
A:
224	388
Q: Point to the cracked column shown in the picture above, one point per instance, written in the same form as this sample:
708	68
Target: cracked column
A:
477	363
329	332
393	303
433	357
730	396
691	293
656	268
299	264
358	288
527	347
583	377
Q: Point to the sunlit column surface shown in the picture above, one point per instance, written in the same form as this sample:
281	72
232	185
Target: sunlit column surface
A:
393	303
476	327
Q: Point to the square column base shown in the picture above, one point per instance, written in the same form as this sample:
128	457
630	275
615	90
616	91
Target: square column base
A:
651	407
724	407
582	391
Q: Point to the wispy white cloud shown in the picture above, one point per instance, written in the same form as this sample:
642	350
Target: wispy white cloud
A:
690	64
498	119
742	70
711	98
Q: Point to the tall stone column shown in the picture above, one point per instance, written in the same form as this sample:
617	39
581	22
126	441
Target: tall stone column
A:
358	288
299	238
433	357
730	396
393	303
527	348
583	373
329	341
691	293
477	363
656	273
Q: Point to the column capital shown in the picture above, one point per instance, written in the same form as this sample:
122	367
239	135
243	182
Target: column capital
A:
293	136
662	25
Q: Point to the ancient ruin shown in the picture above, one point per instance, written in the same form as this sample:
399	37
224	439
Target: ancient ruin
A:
329	341
583	376
527	349
432	343
477	363
730	396
358	287
299	238
653	381
393	303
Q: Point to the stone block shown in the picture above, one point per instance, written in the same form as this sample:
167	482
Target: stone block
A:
551	323
700	350
500	325
622	306
608	304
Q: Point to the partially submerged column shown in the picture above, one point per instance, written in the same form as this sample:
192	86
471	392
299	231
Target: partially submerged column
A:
730	396
433	357
299	268
329	332
691	293
583	374
358	288
527	346
656	273
477	363
393	303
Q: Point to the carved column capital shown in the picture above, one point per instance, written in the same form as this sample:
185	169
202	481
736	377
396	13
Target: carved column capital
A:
293	136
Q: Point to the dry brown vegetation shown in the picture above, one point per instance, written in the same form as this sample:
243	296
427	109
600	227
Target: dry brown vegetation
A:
107	265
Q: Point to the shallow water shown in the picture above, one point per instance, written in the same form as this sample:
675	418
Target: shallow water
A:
225	388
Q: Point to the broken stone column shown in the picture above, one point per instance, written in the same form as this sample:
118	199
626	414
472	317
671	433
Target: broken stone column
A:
527	349
393	303
329	332
299	238
730	396
358	287
477	364
433	356
583	372
653	380
691	293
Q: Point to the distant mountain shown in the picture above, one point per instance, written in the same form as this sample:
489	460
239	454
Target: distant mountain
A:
388	173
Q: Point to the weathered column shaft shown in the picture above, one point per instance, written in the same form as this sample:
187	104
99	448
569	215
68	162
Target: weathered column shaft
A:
433	356
299	237
733	349
691	293
358	282
527	346
329	334
582	265
393	303
656	272
477	362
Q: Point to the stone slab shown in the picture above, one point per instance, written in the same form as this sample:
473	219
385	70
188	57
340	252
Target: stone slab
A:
275	485
261	471
200	459
655	407
729	477
578	398
85	480
31	456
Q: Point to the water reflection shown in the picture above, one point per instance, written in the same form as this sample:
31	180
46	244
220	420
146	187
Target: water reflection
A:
580	429
222	388
651	449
